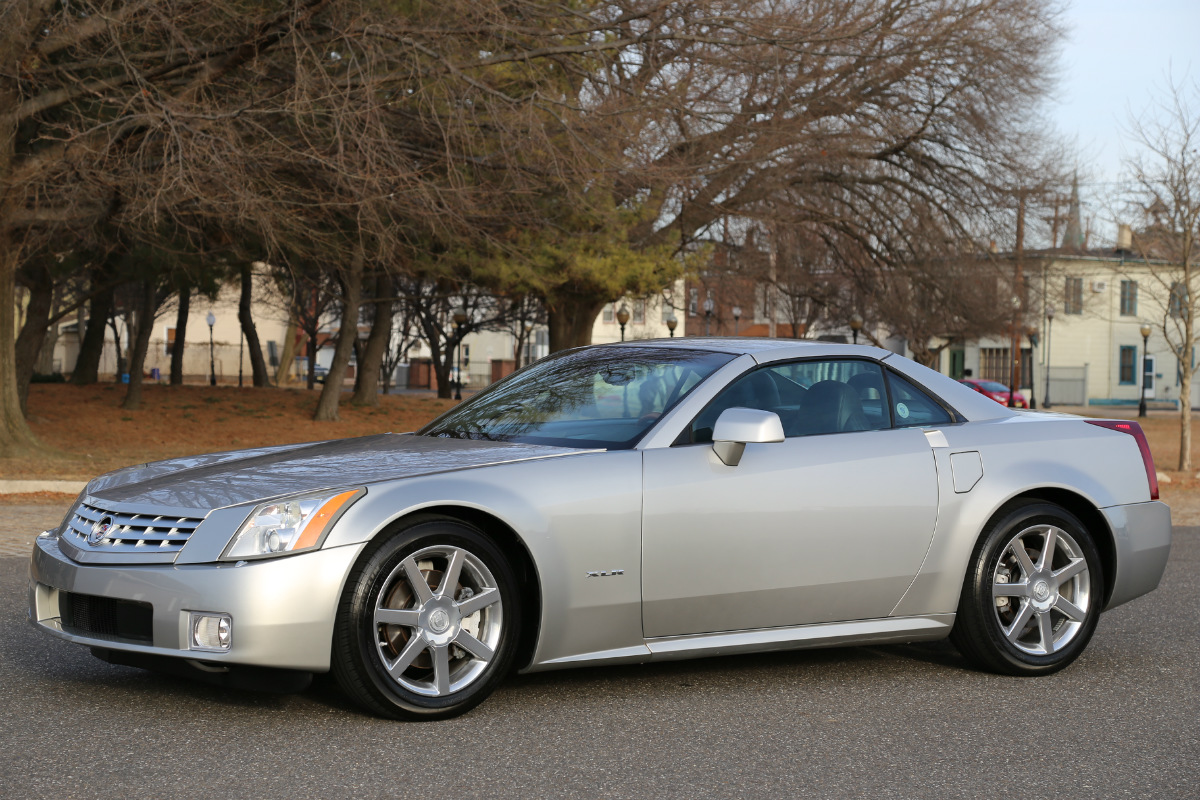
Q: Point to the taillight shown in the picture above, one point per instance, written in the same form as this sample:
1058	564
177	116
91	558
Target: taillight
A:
1134	430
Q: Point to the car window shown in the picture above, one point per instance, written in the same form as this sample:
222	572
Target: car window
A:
810	397
597	397
912	407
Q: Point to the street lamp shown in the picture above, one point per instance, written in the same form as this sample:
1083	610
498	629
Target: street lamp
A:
212	368
672	322
241	354
1049	324
856	323
622	319
709	305
460	319
737	317
1145	331
1032	332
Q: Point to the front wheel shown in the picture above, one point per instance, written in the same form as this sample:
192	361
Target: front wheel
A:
1032	595
428	623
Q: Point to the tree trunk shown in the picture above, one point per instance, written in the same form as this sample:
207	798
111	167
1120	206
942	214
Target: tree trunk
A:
371	359
33	332
331	393
571	319
15	436
141	345
283	373
112	323
181	321
257	364
87	365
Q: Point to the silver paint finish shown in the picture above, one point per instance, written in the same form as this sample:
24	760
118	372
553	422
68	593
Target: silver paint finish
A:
823	539
572	514
1022	453
1142	533
282	609
344	463
812	550
738	427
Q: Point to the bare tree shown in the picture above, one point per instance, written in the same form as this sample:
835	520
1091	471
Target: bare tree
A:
1166	178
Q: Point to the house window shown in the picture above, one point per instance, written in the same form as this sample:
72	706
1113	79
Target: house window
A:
1128	368
994	366
1179	297
668	309
1074	296
608	313
693	301
639	312
1129	298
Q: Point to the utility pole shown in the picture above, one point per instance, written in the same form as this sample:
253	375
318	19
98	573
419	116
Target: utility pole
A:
1019	305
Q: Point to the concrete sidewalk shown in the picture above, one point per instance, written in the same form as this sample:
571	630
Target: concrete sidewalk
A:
28	487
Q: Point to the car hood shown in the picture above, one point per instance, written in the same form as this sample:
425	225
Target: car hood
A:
223	479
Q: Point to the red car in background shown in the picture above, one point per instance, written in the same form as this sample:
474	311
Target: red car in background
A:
997	391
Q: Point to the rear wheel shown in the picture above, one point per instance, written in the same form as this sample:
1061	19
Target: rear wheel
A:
1032	596
428	623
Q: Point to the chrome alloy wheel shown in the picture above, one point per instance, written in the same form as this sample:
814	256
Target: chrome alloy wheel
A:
1041	590
438	621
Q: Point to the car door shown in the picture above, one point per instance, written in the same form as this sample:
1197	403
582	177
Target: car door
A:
831	524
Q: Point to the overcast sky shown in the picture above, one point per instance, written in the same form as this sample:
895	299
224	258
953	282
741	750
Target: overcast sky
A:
1116	55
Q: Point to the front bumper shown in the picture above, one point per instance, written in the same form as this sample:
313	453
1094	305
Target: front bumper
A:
283	609
1142	535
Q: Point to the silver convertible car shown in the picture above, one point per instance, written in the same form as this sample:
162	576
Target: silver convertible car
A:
619	504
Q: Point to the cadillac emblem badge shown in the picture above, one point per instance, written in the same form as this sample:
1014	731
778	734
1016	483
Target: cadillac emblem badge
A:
100	529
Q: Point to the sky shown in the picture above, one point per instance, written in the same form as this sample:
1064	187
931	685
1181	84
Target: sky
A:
1117	54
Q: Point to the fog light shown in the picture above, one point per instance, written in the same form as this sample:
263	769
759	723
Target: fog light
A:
212	632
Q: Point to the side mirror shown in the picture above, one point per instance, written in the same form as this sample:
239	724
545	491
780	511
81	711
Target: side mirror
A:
738	427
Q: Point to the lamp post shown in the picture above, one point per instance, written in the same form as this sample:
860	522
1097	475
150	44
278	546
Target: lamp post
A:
672	322
737	317
1049	326
524	354
709	305
1145	331
212	362
241	356
856	323
1032	332
460	319
623	319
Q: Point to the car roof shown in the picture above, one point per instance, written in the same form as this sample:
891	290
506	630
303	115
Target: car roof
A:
762	350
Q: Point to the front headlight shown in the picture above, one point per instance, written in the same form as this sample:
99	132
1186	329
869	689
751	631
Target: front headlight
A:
289	525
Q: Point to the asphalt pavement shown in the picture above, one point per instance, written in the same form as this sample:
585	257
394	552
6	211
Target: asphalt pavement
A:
878	722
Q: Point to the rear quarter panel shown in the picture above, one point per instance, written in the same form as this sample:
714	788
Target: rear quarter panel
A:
1020	453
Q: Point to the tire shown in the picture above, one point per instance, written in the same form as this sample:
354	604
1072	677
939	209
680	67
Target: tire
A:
1018	615
409	643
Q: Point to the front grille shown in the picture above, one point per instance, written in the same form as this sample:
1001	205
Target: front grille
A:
128	533
106	618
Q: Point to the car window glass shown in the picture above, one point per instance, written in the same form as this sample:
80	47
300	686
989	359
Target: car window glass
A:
598	397
911	406
810	397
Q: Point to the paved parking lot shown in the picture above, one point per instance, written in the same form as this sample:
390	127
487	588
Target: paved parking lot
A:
904	721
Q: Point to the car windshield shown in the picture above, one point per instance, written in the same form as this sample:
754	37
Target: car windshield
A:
992	386
595	397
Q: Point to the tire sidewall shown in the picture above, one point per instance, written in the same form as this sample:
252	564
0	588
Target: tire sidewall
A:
984	564
358	615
